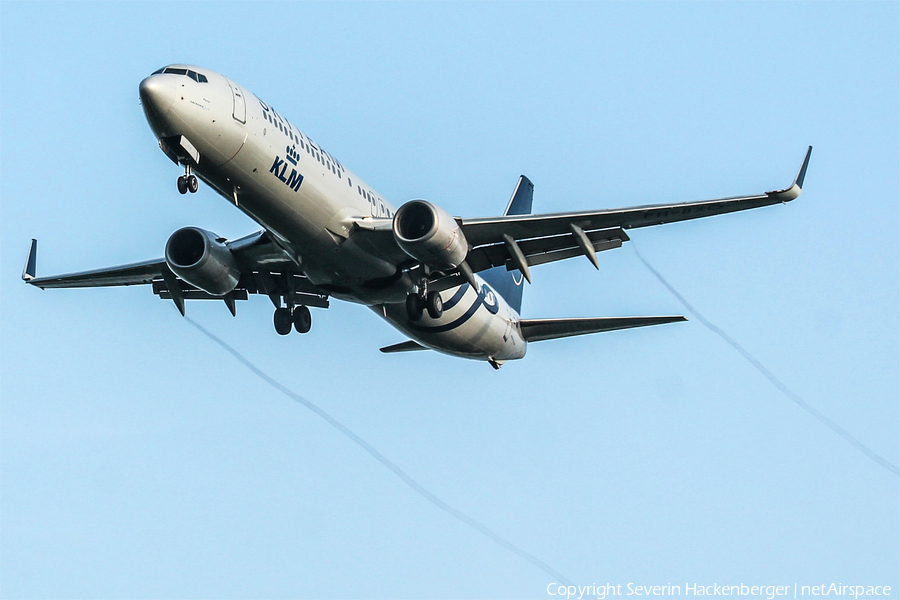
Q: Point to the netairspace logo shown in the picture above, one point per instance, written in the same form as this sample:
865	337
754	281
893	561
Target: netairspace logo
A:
770	592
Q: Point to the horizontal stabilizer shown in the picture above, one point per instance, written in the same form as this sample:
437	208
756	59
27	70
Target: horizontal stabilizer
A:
534	330
407	346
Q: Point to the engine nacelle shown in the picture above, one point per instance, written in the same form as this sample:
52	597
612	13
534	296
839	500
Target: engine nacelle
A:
199	258
430	235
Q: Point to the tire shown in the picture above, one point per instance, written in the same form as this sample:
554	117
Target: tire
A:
434	304
414	307
192	184
302	319
283	321
182	185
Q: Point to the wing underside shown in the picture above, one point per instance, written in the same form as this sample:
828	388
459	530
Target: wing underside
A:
264	270
519	241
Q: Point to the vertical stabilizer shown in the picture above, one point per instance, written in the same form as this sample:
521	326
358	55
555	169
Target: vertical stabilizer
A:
509	283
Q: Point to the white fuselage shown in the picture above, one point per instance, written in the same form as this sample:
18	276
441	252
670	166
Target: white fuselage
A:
297	191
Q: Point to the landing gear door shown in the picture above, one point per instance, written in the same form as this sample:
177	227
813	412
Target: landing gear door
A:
240	105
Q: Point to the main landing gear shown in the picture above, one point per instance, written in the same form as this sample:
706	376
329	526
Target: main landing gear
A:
299	319
188	181
416	305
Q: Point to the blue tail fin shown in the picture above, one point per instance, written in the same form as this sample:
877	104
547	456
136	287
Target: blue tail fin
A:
509	283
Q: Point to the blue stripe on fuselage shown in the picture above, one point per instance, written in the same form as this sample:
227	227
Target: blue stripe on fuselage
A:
479	300
456	297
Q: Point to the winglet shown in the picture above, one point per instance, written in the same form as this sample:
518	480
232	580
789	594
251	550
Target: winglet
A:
801	175
788	194
29	272
521	200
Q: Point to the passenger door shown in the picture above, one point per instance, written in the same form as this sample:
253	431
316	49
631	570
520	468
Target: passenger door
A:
240	105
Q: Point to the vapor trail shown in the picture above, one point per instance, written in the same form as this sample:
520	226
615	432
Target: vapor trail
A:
769	375
483	530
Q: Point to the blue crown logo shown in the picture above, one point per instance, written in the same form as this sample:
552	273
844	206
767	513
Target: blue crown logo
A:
292	155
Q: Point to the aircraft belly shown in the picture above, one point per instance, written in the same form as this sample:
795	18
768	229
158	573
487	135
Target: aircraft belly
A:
304	204
306	216
293	215
473	325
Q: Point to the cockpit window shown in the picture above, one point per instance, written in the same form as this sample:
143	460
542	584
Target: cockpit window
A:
198	77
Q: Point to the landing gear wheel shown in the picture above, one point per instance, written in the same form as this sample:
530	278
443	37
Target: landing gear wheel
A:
434	304
414	307
302	319
192	184
283	321
182	185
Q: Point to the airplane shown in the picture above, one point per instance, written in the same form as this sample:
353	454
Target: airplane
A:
447	283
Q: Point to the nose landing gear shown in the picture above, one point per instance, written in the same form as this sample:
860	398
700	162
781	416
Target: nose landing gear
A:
188	182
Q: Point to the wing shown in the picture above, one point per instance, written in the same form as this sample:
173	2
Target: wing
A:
265	269
519	241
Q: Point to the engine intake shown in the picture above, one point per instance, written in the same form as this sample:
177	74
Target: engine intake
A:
199	258
430	235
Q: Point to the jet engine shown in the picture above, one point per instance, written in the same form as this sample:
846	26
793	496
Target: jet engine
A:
430	235
200	258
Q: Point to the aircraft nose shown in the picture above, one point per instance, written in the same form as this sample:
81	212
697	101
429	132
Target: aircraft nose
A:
157	100
156	94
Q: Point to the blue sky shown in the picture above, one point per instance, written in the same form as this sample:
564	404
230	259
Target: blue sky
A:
138	459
